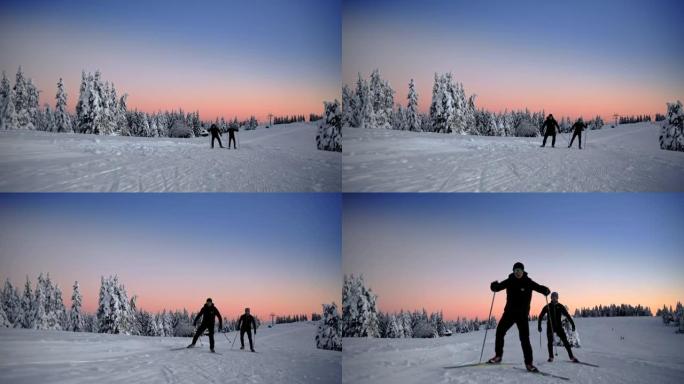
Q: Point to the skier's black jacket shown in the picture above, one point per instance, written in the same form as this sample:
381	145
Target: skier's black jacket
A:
550	126
556	310
246	322
579	127
214	130
208	312
518	293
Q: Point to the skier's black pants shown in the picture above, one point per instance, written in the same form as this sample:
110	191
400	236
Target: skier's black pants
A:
553	139
200	331
561	335
579	137
242	337
507	321
231	138
216	138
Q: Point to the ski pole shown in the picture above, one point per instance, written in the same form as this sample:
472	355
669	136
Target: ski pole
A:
234	338
551	322
487	329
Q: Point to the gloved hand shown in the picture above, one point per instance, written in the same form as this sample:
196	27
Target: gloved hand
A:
539	327
494	285
547	291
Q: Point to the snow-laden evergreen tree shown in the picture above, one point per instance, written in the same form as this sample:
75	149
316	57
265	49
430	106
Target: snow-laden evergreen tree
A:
113	313
11	304
395	327
4	97
62	117
448	106
359	311
348	107
329	333
412	115
329	137
41	298
672	133
28	306
76	321
22	100
4	321
10	118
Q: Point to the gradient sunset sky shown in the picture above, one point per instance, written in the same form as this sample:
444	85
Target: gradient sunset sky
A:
272	252
571	58
229	58
441	251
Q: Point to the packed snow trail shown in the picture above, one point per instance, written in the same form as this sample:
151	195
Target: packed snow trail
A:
649	353
622	159
282	158
286	354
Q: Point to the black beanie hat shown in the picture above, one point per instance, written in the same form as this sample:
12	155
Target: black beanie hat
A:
518	265
209	300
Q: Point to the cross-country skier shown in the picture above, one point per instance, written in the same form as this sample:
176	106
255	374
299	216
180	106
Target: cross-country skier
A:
577	129
245	325
519	289
215	135
231	136
208	312
550	126
553	324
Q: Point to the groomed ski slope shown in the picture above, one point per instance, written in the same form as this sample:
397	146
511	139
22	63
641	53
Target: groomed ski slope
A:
286	354
622	159
649	353
282	158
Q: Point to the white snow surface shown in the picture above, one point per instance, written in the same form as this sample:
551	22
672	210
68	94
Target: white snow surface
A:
649	353
287	353
282	158
622	159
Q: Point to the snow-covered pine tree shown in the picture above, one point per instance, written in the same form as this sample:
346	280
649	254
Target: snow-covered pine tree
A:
329	333
348	107
11	304
4	96
76	321
359	313
329	136
28	306
82	106
33	103
113	313
22	100
10	118
62	117
672	133
412	115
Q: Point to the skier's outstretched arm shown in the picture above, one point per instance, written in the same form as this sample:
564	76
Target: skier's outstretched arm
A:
198	316
567	316
541	317
540	288
497	286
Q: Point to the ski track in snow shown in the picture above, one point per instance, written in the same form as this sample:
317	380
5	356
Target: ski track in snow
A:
623	159
649	353
286	354
283	158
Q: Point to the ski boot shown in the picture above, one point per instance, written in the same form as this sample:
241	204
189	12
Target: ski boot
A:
550	360
574	360
191	346
494	360
212	350
243	347
252	349
531	368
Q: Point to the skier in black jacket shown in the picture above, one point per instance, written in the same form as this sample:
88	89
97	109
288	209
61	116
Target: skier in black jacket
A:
231	136
215	135
519	289
554	324
577	129
549	127
245	325
208	312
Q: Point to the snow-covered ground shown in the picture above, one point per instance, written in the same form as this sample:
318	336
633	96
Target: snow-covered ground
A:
625	158
283	158
649	353
286	354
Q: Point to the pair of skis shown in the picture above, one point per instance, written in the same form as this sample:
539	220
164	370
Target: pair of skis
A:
514	366
182	348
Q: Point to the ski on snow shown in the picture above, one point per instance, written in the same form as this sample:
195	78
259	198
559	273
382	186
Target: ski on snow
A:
543	374
485	364
583	363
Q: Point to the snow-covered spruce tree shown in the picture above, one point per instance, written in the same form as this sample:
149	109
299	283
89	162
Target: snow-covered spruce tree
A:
25	95
359	311
672	133
329	333
28	306
62	117
348	107
113	313
4	96
76	322
412	115
11	304
10	118
329	137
